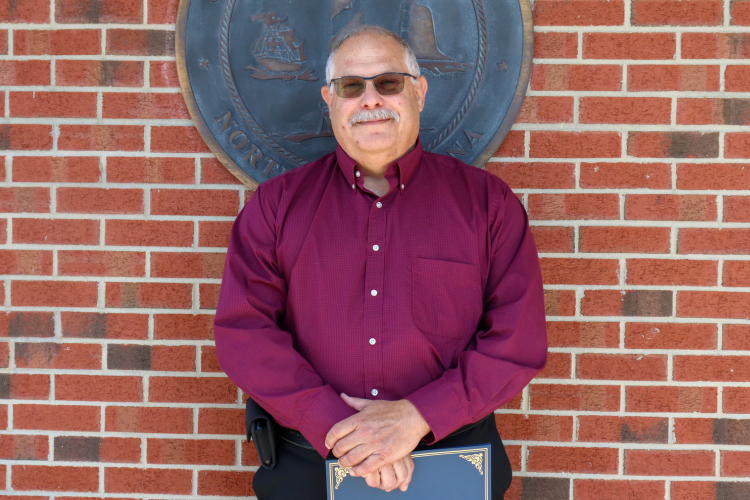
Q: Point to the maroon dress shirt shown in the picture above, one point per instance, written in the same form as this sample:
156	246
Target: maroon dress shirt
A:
432	293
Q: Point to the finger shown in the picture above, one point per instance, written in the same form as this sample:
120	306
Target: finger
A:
409	463
356	403
401	471
373	479
370	464
387	477
340	430
356	456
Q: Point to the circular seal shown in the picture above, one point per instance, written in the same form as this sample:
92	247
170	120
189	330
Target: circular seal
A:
251	73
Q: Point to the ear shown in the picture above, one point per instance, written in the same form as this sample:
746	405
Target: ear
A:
327	96
420	87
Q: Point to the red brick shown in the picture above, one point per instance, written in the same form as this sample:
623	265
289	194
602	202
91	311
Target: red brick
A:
54	293
4	417
150	295
221	421
191	451
579	13
736	337
626	175
82	73
50	418
144	106
564	206
696	304
712	368
546	109
56	169
213	172
737	78
120	450
98	263
669	463
209	362
694	430
173	358
670	336
209	295
553	239
673	144
670	399
554	144
218	482
715	45
735	464
163	74
624	239
195	202
666	272
739	13
736	209
24	386
27	324
59	42
580	271
577	460
635	110
647	77
627	303
183	326
99	11
629	45
714	241
671	13
192	390
736	144
4	357
24	72
736	273
534	427
559	302
621	367
512	146
32	262
25	137
736	399
533	175
162	11
149	233
54	478
670	207
574	397
3	42
99	201
713	111
695	490
593	77
152	420
156	481
583	334
558	366
24	199
601	429
101	137
56	355
25	11
140	42
187	265
53	104
177	139
151	170
610	489
104	326
98	388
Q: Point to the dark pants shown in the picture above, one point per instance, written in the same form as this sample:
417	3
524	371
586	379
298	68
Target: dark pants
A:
300	473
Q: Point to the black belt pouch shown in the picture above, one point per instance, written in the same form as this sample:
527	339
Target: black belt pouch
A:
261	428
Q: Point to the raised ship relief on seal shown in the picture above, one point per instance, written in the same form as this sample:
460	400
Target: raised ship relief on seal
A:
278	51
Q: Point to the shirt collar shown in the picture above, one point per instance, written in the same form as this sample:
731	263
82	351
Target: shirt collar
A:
407	164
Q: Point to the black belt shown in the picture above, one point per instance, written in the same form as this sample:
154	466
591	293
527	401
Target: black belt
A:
295	437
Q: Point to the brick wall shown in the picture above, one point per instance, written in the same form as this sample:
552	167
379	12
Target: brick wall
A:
631	154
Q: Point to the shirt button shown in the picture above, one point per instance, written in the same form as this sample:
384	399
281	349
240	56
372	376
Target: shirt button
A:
356	173
402	186
372	341
374	293
352	186
375	247
374	392
378	204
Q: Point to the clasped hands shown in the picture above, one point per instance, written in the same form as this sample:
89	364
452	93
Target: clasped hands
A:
377	441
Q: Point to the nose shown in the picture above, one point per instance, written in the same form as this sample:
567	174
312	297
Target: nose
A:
370	98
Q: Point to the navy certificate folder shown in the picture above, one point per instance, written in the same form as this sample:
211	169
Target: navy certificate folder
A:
443	473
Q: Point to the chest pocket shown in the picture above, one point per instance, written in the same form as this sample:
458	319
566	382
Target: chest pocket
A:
446	297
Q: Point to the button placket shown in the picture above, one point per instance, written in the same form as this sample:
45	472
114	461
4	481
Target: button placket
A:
373	310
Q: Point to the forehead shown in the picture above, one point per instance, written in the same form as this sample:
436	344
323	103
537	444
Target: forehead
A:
369	55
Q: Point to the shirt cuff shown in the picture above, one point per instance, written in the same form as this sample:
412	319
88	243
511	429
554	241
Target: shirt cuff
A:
443	411
326	410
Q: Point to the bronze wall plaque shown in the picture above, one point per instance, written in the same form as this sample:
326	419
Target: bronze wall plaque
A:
251	72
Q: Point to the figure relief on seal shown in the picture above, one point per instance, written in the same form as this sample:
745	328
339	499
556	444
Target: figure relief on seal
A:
278	51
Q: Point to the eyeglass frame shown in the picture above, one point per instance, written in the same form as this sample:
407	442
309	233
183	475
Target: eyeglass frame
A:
365	78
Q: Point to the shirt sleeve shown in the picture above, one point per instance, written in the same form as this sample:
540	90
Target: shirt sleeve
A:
252	350
510	345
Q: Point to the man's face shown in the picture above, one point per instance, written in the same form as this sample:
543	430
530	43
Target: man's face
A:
370	55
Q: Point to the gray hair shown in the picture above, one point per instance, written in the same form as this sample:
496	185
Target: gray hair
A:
411	60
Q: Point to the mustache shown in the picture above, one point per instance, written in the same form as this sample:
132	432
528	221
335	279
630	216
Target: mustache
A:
369	115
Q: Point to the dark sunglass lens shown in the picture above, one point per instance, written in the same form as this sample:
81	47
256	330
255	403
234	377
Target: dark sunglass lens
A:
389	83
350	86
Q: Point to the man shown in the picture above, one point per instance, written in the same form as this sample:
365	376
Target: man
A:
381	299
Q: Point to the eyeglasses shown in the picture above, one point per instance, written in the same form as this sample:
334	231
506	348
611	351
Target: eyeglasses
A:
385	84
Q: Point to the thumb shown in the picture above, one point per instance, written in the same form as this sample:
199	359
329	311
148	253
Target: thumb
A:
356	403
